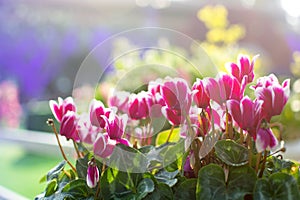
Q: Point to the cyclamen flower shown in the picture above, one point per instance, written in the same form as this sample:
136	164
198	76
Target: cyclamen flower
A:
86	131
243	68
104	146
177	94
273	95
139	105
154	87
120	100
115	125
177	97
68	126
98	112
174	117
200	96
223	88
92	177
246	113
62	107
265	140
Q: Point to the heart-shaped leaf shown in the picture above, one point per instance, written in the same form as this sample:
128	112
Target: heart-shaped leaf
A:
163	136
186	190
51	187
55	171
213	185
231	153
77	188
161	192
277	186
145	186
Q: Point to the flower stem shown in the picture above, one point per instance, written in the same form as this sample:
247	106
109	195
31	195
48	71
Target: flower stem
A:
241	136
228	128
249	144
76	149
51	123
170	134
98	190
262	169
257	162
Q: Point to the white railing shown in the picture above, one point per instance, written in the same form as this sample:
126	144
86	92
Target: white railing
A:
36	142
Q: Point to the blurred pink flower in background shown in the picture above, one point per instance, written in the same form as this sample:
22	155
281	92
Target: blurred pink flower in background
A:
120	100
10	108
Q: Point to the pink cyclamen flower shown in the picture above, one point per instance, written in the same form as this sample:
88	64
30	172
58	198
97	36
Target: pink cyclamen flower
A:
223	88
62	107
92	177
154	87
86	131
68	126
246	113
104	146
140	105
98	112
243	68
115	125
199	94
265	140
174	117
273	95
176	94
120	100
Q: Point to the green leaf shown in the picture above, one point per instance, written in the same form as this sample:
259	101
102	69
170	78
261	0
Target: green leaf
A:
211	182
145	186
43	179
162	136
125	158
54	172
81	166
274	165
161	192
146	149
166	177
119	184
77	188
231	153
51	188
277	186
186	190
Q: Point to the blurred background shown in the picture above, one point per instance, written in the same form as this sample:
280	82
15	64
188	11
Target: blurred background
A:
43	44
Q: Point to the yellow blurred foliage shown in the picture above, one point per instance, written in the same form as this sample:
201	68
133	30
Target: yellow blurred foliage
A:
295	65
213	16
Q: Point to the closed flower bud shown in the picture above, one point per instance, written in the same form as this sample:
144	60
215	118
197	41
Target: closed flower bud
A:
92	177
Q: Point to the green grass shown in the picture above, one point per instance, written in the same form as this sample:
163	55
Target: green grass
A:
21	171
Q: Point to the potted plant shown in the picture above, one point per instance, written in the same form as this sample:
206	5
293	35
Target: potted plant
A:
208	141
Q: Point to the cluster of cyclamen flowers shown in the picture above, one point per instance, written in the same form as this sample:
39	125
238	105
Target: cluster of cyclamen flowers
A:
210	103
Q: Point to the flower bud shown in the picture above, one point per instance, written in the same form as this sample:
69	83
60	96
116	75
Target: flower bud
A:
92	177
